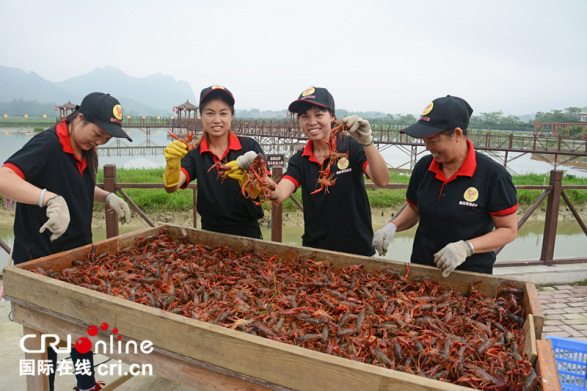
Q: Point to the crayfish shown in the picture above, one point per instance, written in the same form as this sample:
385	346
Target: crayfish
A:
258	180
254	182
379	317
188	140
325	178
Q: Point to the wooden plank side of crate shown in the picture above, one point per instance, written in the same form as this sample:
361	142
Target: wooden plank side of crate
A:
530	339
457	280
532	306
171	366
546	366
260	358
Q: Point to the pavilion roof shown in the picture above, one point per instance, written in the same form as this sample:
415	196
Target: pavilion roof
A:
67	106
187	105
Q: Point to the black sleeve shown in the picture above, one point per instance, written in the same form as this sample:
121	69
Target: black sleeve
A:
503	195
188	163
33	158
357	153
257	148
294	170
412	192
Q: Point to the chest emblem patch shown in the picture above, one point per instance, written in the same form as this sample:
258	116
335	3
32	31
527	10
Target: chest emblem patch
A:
471	194
342	163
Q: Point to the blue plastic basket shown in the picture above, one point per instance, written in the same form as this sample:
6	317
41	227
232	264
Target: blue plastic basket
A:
571	362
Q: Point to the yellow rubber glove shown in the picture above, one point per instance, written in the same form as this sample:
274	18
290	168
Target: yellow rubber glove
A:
242	177
239	174
253	192
173	155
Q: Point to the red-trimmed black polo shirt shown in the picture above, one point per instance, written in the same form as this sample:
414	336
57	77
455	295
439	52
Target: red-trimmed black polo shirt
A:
221	204
460	207
48	162
339	220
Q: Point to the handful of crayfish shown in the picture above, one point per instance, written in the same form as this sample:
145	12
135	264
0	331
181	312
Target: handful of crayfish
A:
188	140
325	178
254	182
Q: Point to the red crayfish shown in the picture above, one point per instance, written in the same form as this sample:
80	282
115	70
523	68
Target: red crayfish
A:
325	178
188	140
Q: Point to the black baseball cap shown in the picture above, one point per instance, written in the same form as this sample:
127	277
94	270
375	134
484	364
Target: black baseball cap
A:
447	113
105	111
313	95
218	89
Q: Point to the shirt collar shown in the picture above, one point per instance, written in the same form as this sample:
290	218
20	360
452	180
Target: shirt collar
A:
233	144
309	151
467	168
65	140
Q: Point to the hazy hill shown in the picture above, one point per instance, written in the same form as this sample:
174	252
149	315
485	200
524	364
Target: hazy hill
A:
152	95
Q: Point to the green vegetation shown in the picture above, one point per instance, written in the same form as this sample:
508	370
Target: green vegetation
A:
150	200
156	199
20	121
495	120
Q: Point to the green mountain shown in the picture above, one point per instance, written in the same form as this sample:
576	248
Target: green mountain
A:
152	95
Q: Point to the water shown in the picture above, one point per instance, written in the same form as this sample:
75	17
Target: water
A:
11	140
571	242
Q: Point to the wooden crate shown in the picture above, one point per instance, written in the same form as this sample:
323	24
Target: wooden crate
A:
210	356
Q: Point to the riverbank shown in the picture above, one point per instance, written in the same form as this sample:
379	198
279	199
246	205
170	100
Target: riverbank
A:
295	218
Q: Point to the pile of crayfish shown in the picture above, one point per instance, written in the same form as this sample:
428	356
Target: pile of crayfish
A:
255	180
379	317
325	177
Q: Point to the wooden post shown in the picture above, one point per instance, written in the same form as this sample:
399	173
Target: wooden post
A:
550	224
276	210
110	186
36	381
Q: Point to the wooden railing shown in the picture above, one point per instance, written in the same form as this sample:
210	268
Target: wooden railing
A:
553	192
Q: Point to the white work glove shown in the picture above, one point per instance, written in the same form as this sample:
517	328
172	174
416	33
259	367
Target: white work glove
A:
58	214
360	129
451	256
383	237
121	207
245	161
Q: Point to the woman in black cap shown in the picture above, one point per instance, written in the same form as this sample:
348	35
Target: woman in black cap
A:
457	195
221	204
337	218
53	180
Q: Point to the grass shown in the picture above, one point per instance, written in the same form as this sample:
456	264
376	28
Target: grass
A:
31	121
155	199
576	283
151	200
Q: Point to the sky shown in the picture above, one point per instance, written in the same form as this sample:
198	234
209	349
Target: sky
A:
518	56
